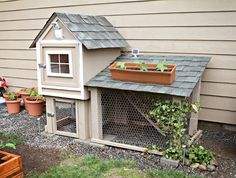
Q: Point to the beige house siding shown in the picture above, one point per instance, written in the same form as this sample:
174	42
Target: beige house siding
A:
176	27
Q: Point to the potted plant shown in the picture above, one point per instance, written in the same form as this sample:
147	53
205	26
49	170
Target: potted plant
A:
6	94
25	92
35	103
161	73
13	103
10	164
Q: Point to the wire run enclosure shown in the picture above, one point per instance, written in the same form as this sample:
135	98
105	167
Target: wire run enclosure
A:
120	118
67	117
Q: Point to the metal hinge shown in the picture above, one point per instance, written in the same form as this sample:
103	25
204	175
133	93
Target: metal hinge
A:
42	65
50	115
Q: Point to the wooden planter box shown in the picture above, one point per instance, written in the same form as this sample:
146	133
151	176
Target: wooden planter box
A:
10	165
151	76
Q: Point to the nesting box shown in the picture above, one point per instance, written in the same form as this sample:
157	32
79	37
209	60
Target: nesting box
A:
71	49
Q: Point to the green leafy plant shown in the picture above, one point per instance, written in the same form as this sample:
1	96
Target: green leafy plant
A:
199	155
120	65
172	153
8	140
142	65
12	96
161	66
172	119
35	95
154	147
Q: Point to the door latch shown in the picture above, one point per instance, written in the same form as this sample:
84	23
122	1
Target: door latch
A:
42	65
50	115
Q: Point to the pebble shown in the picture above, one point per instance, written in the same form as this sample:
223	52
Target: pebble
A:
194	165
186	162
202	167
211	168
214	162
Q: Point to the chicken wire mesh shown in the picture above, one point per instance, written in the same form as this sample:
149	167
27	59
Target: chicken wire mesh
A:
125	118
65	117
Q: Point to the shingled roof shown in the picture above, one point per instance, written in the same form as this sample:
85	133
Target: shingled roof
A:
93	32
188	72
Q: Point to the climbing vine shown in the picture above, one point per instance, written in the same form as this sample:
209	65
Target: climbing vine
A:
172	119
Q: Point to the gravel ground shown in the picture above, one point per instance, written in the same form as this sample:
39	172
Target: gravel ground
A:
28	128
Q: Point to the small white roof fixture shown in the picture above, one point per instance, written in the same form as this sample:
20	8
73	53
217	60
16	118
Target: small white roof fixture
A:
135	52
57	31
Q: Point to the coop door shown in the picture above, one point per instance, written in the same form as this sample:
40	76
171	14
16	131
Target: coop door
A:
66	118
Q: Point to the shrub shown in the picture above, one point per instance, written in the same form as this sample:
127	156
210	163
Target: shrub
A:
199	155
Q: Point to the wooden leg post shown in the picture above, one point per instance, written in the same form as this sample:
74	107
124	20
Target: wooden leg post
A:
96	114
49	128
193	123
83	120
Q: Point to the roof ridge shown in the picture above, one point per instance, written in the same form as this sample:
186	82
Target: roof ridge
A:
81	25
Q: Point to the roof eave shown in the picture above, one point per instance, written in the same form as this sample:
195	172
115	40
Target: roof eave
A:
33	45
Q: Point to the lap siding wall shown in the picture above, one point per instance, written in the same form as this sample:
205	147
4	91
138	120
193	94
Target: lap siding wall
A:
180	27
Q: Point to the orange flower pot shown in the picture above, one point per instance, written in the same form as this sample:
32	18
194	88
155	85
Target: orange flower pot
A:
10	165
13	106
25	95
35	107
134	74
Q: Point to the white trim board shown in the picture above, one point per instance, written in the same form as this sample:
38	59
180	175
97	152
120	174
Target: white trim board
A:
71	96
61	88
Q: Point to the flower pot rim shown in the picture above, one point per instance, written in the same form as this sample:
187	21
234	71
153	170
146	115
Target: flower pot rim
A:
172	66
18	100
33	102
23	93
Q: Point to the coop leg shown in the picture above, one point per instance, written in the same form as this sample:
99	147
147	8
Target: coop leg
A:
193	123
96	114
83	119
49	128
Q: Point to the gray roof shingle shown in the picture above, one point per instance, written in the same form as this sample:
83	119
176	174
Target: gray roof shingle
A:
188	72
93	32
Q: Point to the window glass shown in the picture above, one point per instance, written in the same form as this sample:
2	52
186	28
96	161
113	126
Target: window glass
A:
55	68
64	58
65	68
54	58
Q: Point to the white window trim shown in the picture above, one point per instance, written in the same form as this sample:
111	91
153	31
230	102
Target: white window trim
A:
48	63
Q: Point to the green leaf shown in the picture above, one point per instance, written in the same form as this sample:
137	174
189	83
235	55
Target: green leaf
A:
10	145
120	65
161	66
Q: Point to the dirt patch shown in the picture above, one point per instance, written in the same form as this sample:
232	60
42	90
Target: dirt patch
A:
37	159
223	144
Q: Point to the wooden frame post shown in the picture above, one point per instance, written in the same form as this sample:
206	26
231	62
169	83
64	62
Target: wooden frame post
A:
83	119
96	114
193	123
49	128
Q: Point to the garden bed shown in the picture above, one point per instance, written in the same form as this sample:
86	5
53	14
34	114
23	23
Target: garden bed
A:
38	147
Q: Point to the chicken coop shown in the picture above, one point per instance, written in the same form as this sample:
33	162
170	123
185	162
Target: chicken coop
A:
71	49
83	101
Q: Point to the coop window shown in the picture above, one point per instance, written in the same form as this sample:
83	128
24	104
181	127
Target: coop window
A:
59	63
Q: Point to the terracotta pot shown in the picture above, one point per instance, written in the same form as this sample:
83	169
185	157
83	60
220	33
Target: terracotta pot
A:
133	74
23	96
10	165
35	107
13	106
